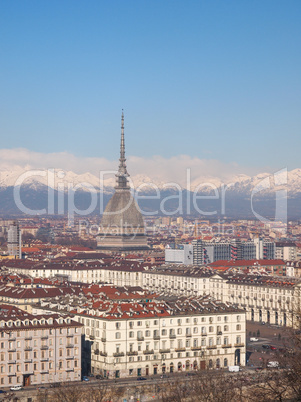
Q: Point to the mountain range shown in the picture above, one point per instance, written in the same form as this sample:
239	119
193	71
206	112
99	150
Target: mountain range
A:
231	199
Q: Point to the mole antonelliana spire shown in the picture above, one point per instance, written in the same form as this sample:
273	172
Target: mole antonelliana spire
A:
122	225
122	174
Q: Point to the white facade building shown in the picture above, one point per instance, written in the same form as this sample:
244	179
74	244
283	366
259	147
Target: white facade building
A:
137	339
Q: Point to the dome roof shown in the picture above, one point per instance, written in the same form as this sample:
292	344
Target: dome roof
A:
122	210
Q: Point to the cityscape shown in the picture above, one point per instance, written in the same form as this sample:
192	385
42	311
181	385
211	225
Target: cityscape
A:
150	189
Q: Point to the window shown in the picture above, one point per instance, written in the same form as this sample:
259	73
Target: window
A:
164	332
210	329
179	331
203	330
226	328
226	319
117	325
238	327
117	335
131	334
195	330
238	318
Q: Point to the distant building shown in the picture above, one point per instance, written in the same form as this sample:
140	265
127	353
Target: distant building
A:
265	250
122	224
206	252
14	244
286	251
182	254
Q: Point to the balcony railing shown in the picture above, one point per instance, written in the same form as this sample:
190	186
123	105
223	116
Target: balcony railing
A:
211	347
227	345
188	335
28	348
118	354
103	354
69	357
28	338
92	337
28	361
164	350
12	349
44	347
69	370
44	359
70	345
239	345
204	334
132	353
140	338
44	337
180	349
196	347
12	362
156	337
103	339
148	352
172	336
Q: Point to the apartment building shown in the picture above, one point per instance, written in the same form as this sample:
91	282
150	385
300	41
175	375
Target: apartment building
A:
124	273
38	349
177	334
286	251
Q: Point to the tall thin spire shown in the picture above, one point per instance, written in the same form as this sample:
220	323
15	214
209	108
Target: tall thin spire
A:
122	173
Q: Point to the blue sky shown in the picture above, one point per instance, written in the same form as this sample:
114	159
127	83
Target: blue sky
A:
216	80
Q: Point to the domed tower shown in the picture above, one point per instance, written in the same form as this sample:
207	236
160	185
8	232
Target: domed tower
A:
122	225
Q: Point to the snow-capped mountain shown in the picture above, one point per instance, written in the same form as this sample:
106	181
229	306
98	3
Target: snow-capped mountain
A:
34	187
62	180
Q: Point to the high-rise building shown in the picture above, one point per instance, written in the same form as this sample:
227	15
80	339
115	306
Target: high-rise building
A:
14	244
122	224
